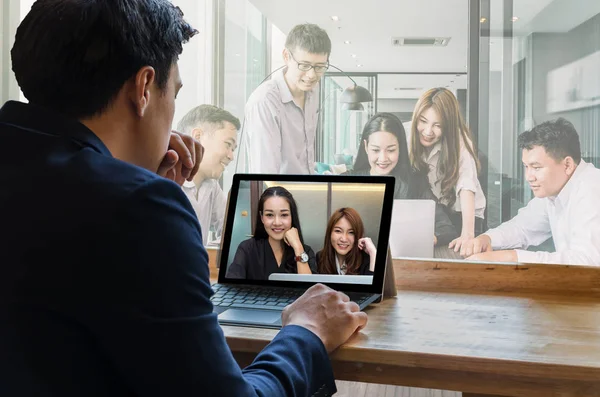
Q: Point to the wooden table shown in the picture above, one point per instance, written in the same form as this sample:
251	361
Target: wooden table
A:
485	330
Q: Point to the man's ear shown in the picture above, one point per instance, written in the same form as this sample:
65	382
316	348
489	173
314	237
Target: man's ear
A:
197	133
286	55
569	165
140	95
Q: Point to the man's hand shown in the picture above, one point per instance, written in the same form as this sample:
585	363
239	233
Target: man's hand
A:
182	160
328	314
481	243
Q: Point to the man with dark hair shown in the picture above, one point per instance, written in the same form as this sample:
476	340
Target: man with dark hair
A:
280	122
565	207
104	285
216	129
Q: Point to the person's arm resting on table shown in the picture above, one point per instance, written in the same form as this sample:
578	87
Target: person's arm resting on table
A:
263	129
584	239
157	326
466	188
529	227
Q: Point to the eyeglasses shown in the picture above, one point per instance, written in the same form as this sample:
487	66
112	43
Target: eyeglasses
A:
305	67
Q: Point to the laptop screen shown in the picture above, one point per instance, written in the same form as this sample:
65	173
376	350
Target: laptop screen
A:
298	230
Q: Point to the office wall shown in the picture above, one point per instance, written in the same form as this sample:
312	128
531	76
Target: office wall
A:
242	227
401	107
196	61
10	17
553	50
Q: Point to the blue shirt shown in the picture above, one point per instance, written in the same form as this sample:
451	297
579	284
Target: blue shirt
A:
104	282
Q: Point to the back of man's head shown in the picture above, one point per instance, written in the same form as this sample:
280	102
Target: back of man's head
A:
558	138
209	116
310	38
73	56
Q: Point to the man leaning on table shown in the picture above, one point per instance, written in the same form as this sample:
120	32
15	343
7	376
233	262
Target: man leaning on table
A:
566	204
104	285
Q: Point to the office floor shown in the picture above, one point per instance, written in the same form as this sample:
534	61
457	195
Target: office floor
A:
357	389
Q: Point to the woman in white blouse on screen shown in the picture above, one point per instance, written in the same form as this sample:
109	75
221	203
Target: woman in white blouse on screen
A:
441	145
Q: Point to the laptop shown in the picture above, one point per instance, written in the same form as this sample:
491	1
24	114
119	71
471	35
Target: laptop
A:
256	295
412	229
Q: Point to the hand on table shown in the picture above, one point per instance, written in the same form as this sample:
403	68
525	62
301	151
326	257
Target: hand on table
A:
471	246
327	313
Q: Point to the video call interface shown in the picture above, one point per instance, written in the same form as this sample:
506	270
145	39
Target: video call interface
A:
305	231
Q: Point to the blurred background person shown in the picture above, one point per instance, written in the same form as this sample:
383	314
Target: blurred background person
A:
216	130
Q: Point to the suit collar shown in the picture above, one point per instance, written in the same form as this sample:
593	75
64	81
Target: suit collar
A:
42	120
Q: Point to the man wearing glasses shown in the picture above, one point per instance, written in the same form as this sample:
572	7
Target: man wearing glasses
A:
280	123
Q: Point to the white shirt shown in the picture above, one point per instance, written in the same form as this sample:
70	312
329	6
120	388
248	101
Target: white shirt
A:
467	175
277	136
467	178
209	202
339	268
572	219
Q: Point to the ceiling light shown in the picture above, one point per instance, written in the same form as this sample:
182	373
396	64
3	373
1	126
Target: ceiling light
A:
359	65
482	19
515	19
335	18
347	42
353	55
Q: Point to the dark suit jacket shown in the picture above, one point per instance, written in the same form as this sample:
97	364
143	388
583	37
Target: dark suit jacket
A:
104	282
254	260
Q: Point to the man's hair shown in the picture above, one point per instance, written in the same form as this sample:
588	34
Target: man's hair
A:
310	38
206	114
558	137
73	56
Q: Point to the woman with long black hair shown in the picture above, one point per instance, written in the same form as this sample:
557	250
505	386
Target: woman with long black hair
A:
277	245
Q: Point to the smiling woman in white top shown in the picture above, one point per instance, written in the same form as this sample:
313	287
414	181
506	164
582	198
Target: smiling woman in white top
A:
441	145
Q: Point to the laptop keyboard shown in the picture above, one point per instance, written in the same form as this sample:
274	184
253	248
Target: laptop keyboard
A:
261	297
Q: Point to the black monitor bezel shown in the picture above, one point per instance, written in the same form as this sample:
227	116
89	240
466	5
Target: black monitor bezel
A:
382	244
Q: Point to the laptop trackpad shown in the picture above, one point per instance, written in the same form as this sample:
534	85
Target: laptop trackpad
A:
251	316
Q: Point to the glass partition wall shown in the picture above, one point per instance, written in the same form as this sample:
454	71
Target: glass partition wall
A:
340	128
536	61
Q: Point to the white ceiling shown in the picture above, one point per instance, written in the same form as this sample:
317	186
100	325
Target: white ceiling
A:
370	25
414	85
552	15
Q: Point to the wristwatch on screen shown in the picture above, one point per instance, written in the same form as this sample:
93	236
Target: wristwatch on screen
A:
303	257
